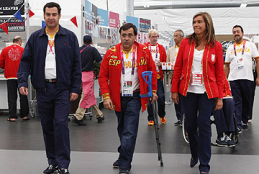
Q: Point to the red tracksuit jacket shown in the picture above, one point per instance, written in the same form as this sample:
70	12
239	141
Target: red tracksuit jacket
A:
110	74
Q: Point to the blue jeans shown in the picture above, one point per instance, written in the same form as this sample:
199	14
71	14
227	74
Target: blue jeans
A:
160	101
179	109
198	126
242	94
128	121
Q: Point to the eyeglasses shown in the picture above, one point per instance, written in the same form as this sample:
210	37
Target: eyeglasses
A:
154	36
125	35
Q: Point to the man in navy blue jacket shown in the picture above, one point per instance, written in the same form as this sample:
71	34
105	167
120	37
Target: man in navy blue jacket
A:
52	58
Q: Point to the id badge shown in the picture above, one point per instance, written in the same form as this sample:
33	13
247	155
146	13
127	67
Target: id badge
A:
127	89
196	79
240	63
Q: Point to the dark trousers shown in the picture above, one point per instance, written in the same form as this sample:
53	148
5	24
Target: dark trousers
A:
128	121
160	101
53	106
253	96
198	127
224	117
179	109
242	94
12	87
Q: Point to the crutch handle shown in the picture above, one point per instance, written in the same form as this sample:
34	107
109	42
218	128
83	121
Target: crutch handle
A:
147	74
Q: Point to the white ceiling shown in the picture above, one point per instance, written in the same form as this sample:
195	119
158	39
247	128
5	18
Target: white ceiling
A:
173	15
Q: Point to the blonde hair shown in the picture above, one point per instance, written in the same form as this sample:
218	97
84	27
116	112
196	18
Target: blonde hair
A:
154	31
210	32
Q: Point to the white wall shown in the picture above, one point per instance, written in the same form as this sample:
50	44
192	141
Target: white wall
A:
69	9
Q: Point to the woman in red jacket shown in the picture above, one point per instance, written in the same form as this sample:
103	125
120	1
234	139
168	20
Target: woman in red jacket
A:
198	77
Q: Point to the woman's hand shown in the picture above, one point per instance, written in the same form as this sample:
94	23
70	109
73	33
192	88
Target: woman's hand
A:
218	104
175	97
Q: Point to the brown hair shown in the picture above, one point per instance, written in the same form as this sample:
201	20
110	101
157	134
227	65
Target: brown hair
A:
210	36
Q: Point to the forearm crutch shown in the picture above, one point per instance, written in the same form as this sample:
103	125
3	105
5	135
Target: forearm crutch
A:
147	76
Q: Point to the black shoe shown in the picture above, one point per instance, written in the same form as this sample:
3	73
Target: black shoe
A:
116	164
50	169
245	126
63	171
178	123
193	162
124	171
221	141
229	141
79	122
100	119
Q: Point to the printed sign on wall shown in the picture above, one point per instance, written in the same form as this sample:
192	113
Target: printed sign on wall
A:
113	20
132	20
13	24
144	25
103	17
10	7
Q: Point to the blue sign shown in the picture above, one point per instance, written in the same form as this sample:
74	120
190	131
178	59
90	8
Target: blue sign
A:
103	17
88	10
133	20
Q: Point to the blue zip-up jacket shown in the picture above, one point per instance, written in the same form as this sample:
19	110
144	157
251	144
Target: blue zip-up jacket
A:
68	61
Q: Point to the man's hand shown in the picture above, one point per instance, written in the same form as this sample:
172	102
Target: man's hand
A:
218	104
107	103
73	96
154	98
23	90
175	97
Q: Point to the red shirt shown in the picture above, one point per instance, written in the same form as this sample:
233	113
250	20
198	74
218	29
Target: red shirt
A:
162	57
110	74
212	67
10	60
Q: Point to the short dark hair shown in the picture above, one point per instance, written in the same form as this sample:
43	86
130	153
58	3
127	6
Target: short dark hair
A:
128	26
51	5
17	39
239	27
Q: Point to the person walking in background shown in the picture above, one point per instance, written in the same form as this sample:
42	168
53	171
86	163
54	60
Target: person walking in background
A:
239	72
171	57
121	83
159	55
198	77
10	58
88	55
51	56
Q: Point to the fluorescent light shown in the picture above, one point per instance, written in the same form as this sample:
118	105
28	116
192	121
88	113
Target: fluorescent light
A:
243	5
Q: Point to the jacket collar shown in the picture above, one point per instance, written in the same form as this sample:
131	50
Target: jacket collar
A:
61	31
119	45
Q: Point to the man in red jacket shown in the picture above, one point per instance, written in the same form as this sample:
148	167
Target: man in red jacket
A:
10	60
159	55
121	83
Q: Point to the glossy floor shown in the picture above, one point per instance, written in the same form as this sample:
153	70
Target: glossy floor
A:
94	148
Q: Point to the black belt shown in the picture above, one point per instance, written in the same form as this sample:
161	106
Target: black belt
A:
50	80
137	90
